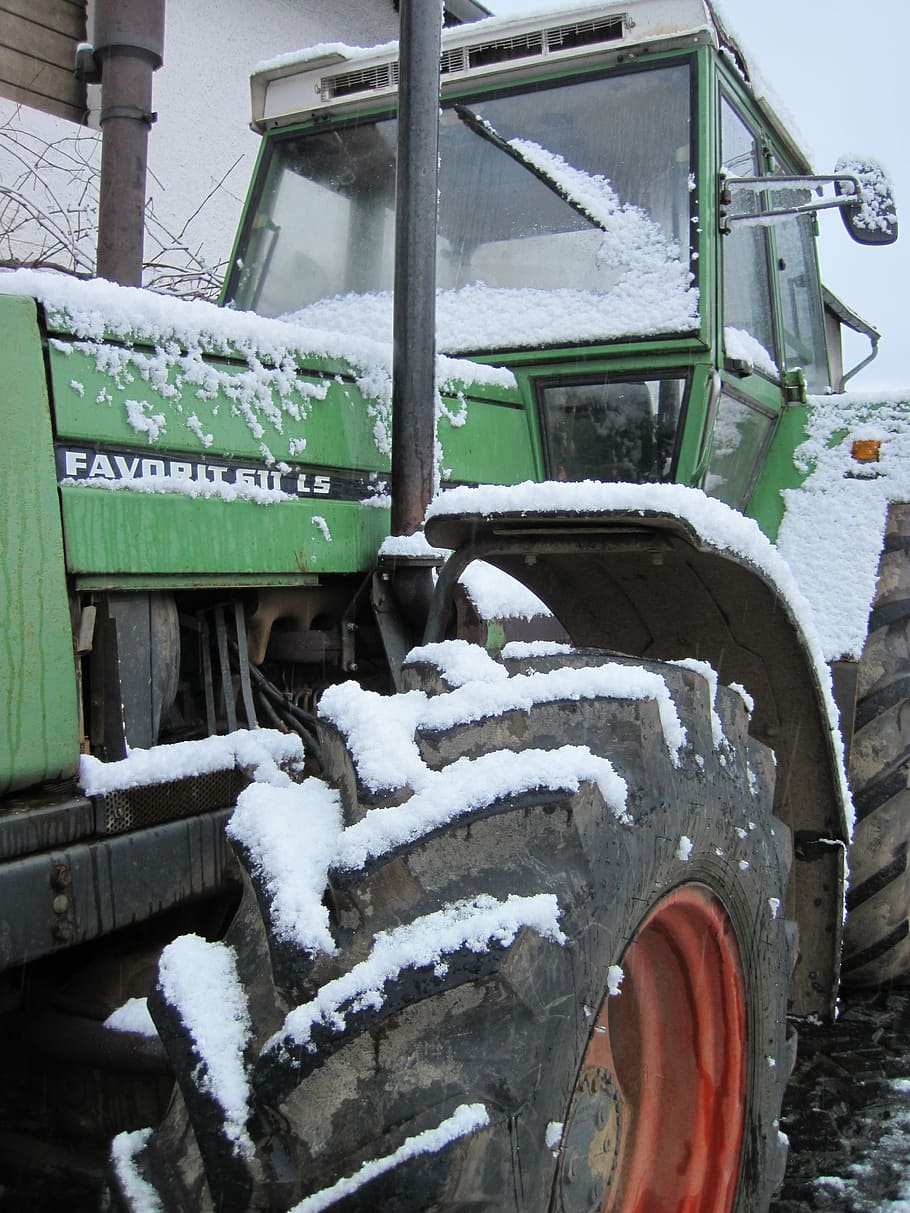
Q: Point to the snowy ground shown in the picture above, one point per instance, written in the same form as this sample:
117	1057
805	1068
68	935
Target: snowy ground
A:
847	1111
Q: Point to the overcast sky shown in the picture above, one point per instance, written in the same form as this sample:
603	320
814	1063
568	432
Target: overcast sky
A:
839	71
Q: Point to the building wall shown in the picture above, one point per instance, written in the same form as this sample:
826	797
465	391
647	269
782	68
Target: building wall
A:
202	92
201	96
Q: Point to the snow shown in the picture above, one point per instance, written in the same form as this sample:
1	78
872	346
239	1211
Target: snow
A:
615	977
261	751
710	676
199	980
684	849
465	1120
125	1148
290	835
470	784
381	732
198	490
876	212
496	595
184	334
472	925
459	662
322	526
133	1016
321	51
651	301
520	650
553	1135
411	547
833	527
743	347
744	695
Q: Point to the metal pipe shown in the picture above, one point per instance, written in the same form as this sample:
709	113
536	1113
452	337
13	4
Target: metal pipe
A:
129	46
414	333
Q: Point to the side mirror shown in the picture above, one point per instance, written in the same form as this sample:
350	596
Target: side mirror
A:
872	218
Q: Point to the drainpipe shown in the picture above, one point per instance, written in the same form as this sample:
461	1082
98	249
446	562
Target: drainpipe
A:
128	47
414	332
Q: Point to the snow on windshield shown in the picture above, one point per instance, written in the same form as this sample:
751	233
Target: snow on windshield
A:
555	225
647	289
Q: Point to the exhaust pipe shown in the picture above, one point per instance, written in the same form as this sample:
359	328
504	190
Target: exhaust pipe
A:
414	319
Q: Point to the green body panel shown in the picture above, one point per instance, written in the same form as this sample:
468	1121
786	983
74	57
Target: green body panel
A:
90	404
494	445
130	533
123	412
39	738
779	471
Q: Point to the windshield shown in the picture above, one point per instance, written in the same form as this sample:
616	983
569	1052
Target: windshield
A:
565	216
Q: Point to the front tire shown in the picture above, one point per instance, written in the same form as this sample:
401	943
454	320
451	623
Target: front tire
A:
521	1071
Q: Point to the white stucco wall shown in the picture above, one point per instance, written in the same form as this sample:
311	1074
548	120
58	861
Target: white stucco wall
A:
202	98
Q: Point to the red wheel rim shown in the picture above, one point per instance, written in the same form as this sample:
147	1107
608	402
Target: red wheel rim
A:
657	1118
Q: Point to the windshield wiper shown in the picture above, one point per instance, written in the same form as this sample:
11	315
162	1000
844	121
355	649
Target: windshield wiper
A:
480	126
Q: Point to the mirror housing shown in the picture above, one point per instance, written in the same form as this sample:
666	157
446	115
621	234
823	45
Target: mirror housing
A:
872	217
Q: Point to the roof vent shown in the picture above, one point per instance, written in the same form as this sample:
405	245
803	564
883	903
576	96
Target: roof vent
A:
363	80
533	44
585	33
453	60
519	47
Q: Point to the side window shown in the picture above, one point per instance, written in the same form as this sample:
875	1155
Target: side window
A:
615	430
741	431
801	311
748	314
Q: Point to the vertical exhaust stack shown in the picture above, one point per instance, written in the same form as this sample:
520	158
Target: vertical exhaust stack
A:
414	334
128	47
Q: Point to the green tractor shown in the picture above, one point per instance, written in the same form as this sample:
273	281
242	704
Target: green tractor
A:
439	903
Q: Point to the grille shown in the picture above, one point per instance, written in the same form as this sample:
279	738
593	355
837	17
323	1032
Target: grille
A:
453	60
506	49
464	58
134	808
364	80
585	33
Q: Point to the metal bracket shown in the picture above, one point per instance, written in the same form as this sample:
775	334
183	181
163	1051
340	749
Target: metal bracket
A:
127	111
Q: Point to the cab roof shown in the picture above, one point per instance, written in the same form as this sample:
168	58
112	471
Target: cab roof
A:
335	77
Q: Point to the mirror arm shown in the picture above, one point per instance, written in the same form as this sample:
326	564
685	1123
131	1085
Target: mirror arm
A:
807	208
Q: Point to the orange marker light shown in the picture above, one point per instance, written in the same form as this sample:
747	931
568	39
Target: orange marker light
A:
866	450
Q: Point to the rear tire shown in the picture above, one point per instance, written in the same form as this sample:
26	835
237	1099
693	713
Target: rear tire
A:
877	936
686	899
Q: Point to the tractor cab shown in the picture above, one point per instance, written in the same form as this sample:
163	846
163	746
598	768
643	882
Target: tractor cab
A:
621	222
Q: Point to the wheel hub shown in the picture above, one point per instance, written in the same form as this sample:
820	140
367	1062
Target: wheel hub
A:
657	1117
590	1144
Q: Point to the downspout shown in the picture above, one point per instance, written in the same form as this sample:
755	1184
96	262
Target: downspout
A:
128	48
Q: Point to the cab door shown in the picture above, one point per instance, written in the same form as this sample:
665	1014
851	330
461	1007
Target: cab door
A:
772	341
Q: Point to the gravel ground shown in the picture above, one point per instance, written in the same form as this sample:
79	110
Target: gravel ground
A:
847	1110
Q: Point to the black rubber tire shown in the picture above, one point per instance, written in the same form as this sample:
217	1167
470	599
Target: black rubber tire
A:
506	1028
877	936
